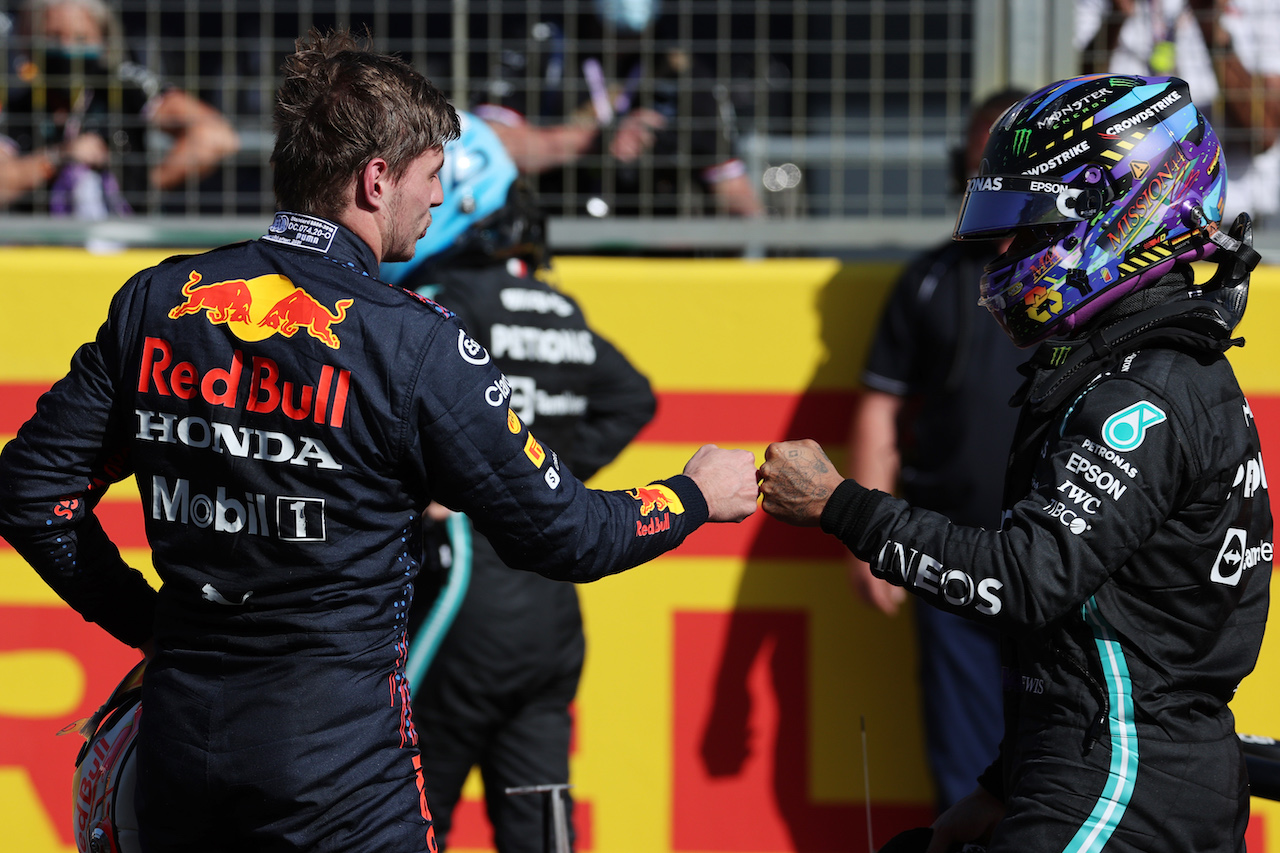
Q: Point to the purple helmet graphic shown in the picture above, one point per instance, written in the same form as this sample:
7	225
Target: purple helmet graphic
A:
1103	182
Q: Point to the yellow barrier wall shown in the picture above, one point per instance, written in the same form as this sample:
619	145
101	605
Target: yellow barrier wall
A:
727	685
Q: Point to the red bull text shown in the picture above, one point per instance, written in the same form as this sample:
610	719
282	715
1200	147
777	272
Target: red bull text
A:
325	401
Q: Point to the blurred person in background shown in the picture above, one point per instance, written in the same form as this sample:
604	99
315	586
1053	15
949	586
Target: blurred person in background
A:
933	424
1228	51
74	123
496	654
644	94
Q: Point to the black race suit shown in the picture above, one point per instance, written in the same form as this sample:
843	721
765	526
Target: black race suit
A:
1132	572
497	693
288	417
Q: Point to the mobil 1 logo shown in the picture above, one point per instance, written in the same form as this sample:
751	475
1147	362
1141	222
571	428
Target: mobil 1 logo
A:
300	519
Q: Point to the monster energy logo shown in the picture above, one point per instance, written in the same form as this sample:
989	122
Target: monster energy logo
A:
1059	356
1021	138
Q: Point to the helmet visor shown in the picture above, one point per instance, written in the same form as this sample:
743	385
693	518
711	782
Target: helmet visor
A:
998	204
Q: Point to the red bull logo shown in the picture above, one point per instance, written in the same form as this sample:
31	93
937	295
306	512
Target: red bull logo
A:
223	301
657	498
232	303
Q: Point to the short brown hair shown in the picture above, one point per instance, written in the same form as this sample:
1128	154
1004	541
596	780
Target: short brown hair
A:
339	106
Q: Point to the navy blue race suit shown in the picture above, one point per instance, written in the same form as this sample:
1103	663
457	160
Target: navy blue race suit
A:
288	417
1131	575
497	693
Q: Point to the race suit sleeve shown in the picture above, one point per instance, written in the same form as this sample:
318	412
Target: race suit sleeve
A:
619	404
1090	507
479	458
52	475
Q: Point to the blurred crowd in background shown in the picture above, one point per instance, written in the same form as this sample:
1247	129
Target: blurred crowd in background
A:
824	109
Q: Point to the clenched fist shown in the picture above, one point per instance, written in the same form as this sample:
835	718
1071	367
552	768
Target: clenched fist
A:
796	480
727	479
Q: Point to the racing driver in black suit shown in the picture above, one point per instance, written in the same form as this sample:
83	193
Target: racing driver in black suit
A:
288	417
1131	572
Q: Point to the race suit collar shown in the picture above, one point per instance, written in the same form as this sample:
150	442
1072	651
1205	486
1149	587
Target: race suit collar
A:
1181	318
334	241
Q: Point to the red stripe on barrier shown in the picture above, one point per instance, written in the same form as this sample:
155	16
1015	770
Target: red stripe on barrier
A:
693	417
18	403
697	417
124	523
1266	411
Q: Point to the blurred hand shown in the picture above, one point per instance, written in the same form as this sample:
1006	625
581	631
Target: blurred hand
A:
87	148
797	478
972	818
880	594
727	479
635	133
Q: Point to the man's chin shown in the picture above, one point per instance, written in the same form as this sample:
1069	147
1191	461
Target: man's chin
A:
399	255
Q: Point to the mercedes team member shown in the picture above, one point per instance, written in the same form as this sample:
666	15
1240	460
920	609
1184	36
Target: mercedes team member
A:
933	425
495	658
1131	571
288	417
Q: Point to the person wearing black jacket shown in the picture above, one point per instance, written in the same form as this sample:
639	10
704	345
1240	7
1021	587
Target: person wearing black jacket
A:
1131	572
496	654
932	425
288	417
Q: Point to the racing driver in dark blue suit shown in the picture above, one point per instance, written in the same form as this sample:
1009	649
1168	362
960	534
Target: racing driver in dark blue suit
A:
287	417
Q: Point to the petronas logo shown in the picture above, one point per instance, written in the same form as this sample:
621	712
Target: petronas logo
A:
1021	138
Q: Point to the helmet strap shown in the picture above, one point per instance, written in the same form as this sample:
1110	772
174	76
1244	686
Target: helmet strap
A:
1236	257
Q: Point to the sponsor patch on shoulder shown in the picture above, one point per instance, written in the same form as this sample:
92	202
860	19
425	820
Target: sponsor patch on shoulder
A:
533	450
470	350
1127	428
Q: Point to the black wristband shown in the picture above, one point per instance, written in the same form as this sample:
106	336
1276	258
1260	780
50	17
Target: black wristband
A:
849	509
